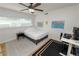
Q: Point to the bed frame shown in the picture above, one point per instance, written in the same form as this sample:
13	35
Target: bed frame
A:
34	41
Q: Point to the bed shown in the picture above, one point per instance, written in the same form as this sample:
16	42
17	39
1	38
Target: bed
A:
36	34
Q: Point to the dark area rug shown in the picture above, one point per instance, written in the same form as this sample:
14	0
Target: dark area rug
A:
51	48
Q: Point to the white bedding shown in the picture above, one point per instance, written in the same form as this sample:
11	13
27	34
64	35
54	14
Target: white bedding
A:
36	33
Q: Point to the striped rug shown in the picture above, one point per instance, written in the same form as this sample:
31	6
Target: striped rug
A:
51	48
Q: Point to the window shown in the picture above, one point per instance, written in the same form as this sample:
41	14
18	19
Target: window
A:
8	22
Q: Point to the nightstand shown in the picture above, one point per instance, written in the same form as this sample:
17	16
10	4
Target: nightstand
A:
2	49
20	35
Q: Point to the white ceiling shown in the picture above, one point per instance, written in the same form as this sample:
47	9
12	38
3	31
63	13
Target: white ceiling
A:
44	6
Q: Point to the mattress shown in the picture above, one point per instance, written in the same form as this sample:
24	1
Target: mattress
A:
36	33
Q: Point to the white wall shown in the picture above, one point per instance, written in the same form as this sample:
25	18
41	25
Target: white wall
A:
69	14
7	34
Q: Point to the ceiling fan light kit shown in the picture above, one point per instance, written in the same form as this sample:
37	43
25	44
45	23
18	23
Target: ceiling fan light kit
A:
32	7
31	10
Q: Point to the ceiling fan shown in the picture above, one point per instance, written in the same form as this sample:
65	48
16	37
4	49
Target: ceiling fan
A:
32	7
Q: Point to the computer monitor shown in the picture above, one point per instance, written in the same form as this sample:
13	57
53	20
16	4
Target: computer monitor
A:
76	33
75	30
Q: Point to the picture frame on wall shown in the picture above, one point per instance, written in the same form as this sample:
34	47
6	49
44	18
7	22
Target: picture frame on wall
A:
46	22
57	24
40	24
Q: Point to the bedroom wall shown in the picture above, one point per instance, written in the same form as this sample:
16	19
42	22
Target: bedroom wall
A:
69	14
8	34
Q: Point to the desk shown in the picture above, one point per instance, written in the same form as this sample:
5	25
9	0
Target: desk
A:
71	42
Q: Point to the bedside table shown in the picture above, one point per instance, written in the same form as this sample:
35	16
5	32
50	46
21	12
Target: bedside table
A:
2	49
20	35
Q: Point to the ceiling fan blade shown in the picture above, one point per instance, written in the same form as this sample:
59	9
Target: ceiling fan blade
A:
37	4
39	10
23	4
24	9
